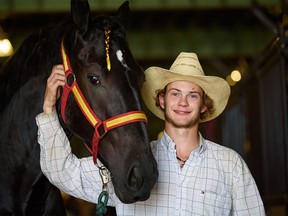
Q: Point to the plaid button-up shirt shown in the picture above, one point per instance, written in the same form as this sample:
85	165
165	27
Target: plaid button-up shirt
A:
215	180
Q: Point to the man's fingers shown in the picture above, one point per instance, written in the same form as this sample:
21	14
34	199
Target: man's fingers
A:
57	76
55	80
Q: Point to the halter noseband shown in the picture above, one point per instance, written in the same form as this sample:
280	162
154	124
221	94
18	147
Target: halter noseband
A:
106	125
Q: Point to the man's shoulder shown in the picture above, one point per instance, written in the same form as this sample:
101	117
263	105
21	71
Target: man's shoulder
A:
221	151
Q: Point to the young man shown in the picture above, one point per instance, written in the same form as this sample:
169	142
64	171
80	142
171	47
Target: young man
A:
196	176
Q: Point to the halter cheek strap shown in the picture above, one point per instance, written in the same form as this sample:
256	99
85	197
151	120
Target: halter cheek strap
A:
106	125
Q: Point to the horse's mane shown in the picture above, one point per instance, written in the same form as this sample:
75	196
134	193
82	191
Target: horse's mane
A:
35	57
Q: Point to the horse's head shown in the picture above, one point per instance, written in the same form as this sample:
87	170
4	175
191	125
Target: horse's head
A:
106	73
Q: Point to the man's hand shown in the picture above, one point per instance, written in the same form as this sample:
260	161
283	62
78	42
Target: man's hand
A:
52	92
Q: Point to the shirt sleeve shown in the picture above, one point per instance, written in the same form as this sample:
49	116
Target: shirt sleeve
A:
246	197
77	177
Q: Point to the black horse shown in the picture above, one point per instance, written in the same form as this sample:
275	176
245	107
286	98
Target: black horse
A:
109	80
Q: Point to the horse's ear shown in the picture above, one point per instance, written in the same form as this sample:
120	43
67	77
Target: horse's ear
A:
80	12
124	14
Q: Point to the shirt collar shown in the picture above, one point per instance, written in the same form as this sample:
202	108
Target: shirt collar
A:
169	144
167	141
202	146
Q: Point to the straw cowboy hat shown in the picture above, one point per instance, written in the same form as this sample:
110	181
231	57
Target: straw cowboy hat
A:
186	67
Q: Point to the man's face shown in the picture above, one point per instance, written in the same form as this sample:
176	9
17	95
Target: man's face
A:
182	104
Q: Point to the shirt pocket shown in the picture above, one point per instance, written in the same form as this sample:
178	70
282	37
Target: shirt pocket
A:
212	203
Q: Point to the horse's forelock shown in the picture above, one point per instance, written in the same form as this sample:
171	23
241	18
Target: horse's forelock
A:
104	23
91	44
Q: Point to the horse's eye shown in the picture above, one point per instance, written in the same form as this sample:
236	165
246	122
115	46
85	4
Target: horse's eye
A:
93	79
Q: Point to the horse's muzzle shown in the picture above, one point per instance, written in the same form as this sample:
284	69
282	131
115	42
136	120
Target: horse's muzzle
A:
139	182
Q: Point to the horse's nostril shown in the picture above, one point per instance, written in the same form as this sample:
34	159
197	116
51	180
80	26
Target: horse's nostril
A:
135	179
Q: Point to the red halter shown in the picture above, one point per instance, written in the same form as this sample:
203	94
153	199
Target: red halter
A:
117	121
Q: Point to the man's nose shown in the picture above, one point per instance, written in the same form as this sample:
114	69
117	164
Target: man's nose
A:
183	101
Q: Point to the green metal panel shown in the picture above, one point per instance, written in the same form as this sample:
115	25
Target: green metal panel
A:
54	5
27	6
208	43
198	4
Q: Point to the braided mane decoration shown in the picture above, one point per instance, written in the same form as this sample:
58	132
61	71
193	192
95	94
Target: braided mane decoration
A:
107	40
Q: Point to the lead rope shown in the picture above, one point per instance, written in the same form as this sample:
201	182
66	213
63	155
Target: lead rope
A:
101	207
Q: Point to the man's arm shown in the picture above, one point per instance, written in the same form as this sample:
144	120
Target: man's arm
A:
246	197
77	177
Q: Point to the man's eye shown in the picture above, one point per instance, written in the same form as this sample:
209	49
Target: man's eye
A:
193	95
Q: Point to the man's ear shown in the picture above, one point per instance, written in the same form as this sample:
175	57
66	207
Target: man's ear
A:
203	109
161	102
